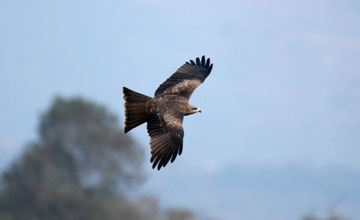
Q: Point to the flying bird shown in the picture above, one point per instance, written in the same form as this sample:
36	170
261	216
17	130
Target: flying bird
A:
165	112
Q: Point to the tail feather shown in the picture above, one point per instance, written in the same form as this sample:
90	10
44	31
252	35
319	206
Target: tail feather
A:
135	109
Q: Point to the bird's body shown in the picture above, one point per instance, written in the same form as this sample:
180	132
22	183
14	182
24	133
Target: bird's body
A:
165	112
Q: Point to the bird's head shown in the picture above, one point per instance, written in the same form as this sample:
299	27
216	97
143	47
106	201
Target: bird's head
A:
192	109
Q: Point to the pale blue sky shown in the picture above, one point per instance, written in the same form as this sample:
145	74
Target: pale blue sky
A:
279	133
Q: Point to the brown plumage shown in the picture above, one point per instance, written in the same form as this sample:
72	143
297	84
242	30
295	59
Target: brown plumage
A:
165	112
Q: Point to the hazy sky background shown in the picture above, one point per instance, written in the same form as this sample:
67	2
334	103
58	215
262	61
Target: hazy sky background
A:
279	136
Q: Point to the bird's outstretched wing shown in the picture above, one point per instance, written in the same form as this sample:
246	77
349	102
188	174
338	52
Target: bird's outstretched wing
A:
167	135
186	79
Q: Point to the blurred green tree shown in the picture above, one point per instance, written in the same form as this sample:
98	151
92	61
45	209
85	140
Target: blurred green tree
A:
80	166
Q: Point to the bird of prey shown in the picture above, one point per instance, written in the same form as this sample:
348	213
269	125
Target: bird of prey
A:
165	112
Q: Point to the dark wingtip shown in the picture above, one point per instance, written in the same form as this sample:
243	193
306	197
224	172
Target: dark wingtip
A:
157	161
152	158
207	63
181	149
210	68
203	63
198	61
175	153
154	165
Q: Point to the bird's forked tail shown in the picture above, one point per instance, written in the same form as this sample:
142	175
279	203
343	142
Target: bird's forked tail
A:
135	109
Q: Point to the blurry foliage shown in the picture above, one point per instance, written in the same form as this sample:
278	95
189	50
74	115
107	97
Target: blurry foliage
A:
81	167
179	214
329	217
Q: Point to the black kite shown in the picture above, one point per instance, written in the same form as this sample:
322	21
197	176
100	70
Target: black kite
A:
165	112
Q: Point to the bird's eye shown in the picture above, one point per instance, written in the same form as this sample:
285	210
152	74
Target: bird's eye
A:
193	108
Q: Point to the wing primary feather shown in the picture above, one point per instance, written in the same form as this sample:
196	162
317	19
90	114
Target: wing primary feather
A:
152	158
203	61
167	159
164	159
187	68
169	155
207	63
160	147
156	161
155	148
181	148
197	61
174	155
192	62
159	165
160	159
171	148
